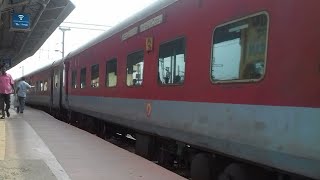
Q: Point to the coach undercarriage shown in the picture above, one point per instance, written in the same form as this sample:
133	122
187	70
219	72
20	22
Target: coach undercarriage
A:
189	161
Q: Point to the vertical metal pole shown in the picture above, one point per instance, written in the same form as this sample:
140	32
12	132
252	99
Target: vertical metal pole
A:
63	43
63	29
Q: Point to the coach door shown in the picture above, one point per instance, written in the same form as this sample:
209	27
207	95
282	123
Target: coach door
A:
60	87
56	86
66	82
51	87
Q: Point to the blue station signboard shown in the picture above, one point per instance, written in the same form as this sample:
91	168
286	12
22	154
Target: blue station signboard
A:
20	21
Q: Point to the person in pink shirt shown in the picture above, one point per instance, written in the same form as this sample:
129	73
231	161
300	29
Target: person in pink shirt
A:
6	88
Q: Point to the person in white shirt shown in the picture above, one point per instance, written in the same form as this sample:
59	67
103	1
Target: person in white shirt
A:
22	87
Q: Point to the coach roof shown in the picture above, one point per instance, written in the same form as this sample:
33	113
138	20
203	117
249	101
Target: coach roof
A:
157	6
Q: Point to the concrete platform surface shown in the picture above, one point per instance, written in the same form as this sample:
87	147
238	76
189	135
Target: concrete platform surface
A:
35	146
25	169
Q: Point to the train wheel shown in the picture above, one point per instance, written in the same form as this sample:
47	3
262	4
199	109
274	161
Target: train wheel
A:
166	159
90	124
69	117
202	167
235	172
100	129
105	134
81	122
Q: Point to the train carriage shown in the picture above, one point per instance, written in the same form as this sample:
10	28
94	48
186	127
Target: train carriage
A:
40	94
233	78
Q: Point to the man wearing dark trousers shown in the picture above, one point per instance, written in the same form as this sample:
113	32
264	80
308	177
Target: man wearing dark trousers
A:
6	88
22	93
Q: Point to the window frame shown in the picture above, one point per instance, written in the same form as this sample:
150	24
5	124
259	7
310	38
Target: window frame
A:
37	86
85	80
137	86
98	75
76	74
45	83
41	87
266	51
56	77
105	74
185	58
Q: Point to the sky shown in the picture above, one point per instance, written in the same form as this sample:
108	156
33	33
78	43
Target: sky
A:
100	12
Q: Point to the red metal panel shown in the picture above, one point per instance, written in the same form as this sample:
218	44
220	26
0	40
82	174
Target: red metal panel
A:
292	69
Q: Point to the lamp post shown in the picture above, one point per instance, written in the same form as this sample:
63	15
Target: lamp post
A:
63	29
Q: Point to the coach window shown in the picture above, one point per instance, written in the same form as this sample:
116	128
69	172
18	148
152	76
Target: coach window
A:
171	63
83	78
95	76
41	86
45	86
111	73
63	76
32	89
56	79
74	79
37	86
239	50
135	69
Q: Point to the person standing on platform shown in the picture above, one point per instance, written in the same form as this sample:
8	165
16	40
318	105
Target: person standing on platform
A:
22	93
6	88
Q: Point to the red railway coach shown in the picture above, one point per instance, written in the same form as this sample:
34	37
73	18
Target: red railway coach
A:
48	82
221	85
40	95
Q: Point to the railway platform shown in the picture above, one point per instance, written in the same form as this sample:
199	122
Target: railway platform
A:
36	146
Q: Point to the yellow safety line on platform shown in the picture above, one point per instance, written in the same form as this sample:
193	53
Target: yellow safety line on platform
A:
2	139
